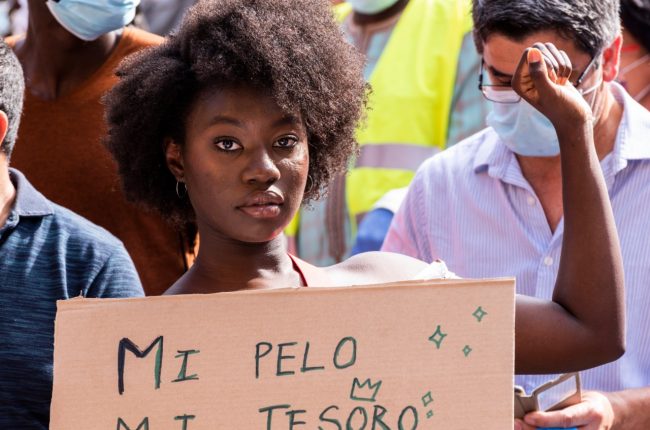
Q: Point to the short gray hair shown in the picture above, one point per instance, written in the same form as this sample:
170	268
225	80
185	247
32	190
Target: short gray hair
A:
12	87
592	24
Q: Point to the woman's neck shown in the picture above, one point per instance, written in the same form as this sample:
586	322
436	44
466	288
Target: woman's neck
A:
224	264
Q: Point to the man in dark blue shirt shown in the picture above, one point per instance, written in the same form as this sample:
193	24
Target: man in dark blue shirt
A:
47	253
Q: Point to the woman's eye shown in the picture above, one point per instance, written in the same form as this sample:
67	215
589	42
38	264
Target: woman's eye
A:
227	145
286	142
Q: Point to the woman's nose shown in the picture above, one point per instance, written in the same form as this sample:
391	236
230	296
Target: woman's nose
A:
261	168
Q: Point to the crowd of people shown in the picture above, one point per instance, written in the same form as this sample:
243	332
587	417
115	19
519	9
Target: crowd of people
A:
254	144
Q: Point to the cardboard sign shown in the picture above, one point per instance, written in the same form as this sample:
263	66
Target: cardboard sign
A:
413	355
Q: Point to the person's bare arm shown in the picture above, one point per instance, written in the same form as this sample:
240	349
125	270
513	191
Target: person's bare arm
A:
631	408
584	325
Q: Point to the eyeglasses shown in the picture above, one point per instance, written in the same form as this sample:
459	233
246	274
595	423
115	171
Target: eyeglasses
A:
503	93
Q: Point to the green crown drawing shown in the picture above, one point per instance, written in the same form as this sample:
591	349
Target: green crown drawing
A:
364	392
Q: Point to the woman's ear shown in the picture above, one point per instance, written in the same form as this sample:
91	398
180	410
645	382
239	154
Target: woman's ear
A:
174	158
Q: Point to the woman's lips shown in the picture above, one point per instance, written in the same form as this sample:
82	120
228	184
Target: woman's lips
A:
263	211
263	205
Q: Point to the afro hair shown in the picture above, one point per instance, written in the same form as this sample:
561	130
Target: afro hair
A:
292	49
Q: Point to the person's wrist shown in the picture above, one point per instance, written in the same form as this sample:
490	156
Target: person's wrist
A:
576	111
572	120
570	130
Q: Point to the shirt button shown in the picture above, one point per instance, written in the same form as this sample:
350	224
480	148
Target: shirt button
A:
548	261
531	201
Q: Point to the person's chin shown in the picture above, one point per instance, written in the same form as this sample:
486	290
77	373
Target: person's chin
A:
260	236
262	230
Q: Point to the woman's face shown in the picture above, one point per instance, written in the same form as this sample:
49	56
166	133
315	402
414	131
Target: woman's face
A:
245	163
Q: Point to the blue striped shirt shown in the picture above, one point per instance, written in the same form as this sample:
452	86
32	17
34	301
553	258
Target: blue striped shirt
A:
47	253
472	207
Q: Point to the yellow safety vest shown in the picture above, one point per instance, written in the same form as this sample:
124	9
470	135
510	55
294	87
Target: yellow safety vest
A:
413	85
412	90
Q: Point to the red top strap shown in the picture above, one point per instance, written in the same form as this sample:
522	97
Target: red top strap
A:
310	274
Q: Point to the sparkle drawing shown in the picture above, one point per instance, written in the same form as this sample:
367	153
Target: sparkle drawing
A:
479	313
437	337
427	399
467	350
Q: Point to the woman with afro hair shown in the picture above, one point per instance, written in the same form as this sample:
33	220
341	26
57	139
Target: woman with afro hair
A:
249	110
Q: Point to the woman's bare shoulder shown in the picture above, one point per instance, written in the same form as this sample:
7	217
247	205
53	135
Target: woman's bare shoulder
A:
375	268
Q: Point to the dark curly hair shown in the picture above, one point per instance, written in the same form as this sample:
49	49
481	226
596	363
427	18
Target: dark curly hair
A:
292	49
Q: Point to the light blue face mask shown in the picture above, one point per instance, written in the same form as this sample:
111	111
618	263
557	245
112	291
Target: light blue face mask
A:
89	19
371	7
525	130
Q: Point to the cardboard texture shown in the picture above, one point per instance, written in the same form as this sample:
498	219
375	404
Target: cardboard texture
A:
412	355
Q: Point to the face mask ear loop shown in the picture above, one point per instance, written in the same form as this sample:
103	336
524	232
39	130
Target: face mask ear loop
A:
593	98
642	94
633	65
592	88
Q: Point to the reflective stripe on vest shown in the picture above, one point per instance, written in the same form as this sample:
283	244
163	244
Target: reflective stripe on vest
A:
409	107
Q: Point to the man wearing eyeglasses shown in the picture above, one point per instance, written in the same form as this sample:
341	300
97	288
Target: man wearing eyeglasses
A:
492	205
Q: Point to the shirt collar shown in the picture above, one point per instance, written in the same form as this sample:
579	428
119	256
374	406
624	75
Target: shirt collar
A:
491	153
633	131
29	202
494	158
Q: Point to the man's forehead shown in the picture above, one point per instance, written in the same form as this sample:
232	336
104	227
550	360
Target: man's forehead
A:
503	53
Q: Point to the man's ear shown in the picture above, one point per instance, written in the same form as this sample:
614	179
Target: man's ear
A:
174	158
4	125
612	59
